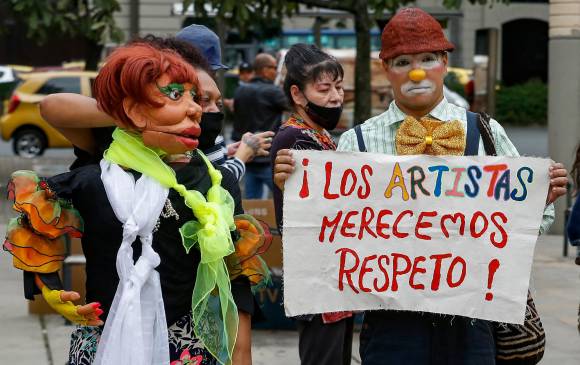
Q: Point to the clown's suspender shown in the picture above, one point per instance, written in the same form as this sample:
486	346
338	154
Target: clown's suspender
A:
359	138
478	125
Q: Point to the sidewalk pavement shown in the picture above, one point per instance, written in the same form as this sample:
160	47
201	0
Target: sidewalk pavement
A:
28	339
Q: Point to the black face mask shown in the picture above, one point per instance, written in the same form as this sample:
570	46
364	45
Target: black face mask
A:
211	126
325	117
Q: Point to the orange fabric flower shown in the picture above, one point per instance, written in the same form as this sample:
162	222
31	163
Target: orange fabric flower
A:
255	239
37	238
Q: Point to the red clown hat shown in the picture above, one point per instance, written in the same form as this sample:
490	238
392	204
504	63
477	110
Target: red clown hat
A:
412	31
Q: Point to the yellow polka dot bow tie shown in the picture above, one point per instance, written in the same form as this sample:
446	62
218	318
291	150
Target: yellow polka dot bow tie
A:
431	137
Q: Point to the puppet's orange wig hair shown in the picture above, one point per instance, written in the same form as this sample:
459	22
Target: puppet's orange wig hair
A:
129	70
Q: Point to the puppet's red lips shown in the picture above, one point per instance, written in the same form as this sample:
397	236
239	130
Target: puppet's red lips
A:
190	143
192	132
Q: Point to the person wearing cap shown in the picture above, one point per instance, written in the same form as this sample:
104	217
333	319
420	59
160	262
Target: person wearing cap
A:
414	54
258	107
233	156
245	73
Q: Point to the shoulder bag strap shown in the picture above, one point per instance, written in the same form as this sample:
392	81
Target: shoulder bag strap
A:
359	138
486	134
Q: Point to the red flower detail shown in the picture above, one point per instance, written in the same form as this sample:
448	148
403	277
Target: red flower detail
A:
187	359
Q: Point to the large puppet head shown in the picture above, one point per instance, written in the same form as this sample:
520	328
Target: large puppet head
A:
154	92
414	53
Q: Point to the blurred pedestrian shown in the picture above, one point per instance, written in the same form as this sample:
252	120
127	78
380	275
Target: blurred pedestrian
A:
573	226
313	85
258	107
245	73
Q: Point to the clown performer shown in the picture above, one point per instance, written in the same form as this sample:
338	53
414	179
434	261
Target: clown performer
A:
168	265
421	121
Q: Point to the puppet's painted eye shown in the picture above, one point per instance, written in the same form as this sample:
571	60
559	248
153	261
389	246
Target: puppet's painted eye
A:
174	94
173	91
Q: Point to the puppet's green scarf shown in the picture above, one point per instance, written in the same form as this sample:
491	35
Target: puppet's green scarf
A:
215	314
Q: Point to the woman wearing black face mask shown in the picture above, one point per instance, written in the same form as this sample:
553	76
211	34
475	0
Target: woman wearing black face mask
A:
211	142
313	84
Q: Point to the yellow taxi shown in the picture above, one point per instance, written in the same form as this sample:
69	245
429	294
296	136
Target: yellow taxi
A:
22	122
463	74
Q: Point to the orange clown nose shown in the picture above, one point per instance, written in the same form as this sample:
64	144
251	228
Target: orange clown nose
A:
417	75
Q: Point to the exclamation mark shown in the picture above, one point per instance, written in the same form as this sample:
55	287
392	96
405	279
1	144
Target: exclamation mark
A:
304	192
492	268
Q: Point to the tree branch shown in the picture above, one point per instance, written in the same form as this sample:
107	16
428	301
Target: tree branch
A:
329	4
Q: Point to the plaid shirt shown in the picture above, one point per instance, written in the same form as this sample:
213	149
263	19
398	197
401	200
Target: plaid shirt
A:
379	137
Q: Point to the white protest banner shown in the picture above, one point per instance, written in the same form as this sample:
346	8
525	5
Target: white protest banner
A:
452	235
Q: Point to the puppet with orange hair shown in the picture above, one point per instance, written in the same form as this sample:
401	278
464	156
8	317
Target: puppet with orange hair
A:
170	257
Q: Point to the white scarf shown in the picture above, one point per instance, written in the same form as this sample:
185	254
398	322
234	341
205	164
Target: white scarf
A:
136	329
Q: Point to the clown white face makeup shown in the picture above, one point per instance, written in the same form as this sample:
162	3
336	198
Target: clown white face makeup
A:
425	61
417	81
412	88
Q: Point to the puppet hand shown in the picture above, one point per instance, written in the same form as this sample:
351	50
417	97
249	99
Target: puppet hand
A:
283	168
265	140
558	182
60	301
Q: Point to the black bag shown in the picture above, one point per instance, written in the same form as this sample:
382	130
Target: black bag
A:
515	344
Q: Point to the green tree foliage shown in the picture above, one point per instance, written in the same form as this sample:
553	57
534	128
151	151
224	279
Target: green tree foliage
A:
91	20
523	104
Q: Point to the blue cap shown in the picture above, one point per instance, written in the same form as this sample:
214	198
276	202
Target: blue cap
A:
208	43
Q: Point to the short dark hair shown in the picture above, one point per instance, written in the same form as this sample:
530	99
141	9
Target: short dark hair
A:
245	67
188	52
307	63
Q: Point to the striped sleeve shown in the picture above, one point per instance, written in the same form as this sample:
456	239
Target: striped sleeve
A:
216	153
236	166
